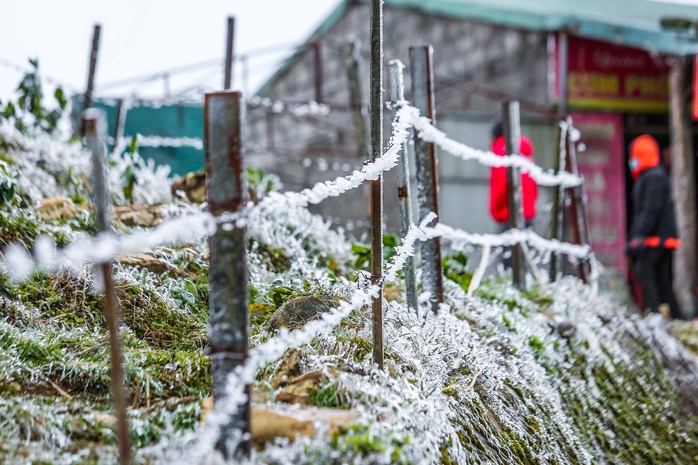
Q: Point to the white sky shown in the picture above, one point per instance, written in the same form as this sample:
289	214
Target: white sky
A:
140	37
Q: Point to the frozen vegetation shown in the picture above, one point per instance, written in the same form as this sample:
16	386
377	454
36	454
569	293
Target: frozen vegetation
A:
555	375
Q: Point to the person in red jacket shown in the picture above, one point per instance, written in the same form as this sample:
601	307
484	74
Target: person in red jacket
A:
499	209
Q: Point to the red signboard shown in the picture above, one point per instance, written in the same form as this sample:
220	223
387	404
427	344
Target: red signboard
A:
605	76
602	165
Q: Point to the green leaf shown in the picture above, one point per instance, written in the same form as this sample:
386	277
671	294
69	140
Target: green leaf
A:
390	240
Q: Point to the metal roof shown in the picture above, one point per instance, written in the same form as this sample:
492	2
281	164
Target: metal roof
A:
635	23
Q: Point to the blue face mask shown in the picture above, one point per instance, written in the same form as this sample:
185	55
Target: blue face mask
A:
633	163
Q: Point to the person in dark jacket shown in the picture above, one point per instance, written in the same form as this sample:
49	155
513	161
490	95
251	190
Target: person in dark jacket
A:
499	208
653	234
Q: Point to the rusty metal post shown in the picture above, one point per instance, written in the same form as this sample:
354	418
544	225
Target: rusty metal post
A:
512	136
94	52
558	201
422	77
577	208
94	125
397	91
317	69
229	43
351	60
228	274
119	124
376	112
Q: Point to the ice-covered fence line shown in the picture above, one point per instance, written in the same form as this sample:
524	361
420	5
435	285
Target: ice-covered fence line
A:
338	186
104	247
158	141
426	131
107	247
275	348
509	238
299	109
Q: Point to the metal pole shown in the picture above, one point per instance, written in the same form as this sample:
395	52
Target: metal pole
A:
228	82
94	52
427	171
376	111
512	136
119	124
228	274
166	84
683	188
563	58
317	69
577	211
557	213
351	58
397	89
93	122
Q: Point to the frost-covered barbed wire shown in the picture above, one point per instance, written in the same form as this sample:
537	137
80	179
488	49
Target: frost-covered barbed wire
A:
274	348
159	141
370	171
508	238
299	109
426	131
104	247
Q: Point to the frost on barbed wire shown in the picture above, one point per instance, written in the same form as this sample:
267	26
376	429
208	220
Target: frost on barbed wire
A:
298	109
425	130
274	348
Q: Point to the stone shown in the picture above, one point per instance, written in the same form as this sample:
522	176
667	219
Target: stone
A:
146	216
296	312
104	418
566	329
192	185
145	260
299	390
270	423
59	208
289	369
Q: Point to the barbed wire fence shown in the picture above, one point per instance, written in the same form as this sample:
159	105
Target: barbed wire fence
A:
230	212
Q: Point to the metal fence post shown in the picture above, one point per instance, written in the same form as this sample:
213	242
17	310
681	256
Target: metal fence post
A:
317	69
376	112
229	44
94	125
558	200
397	89
94	52
512	136
228	273
577	206
351	59
427	170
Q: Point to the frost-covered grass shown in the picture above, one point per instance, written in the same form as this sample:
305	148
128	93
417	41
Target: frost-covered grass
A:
560	375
